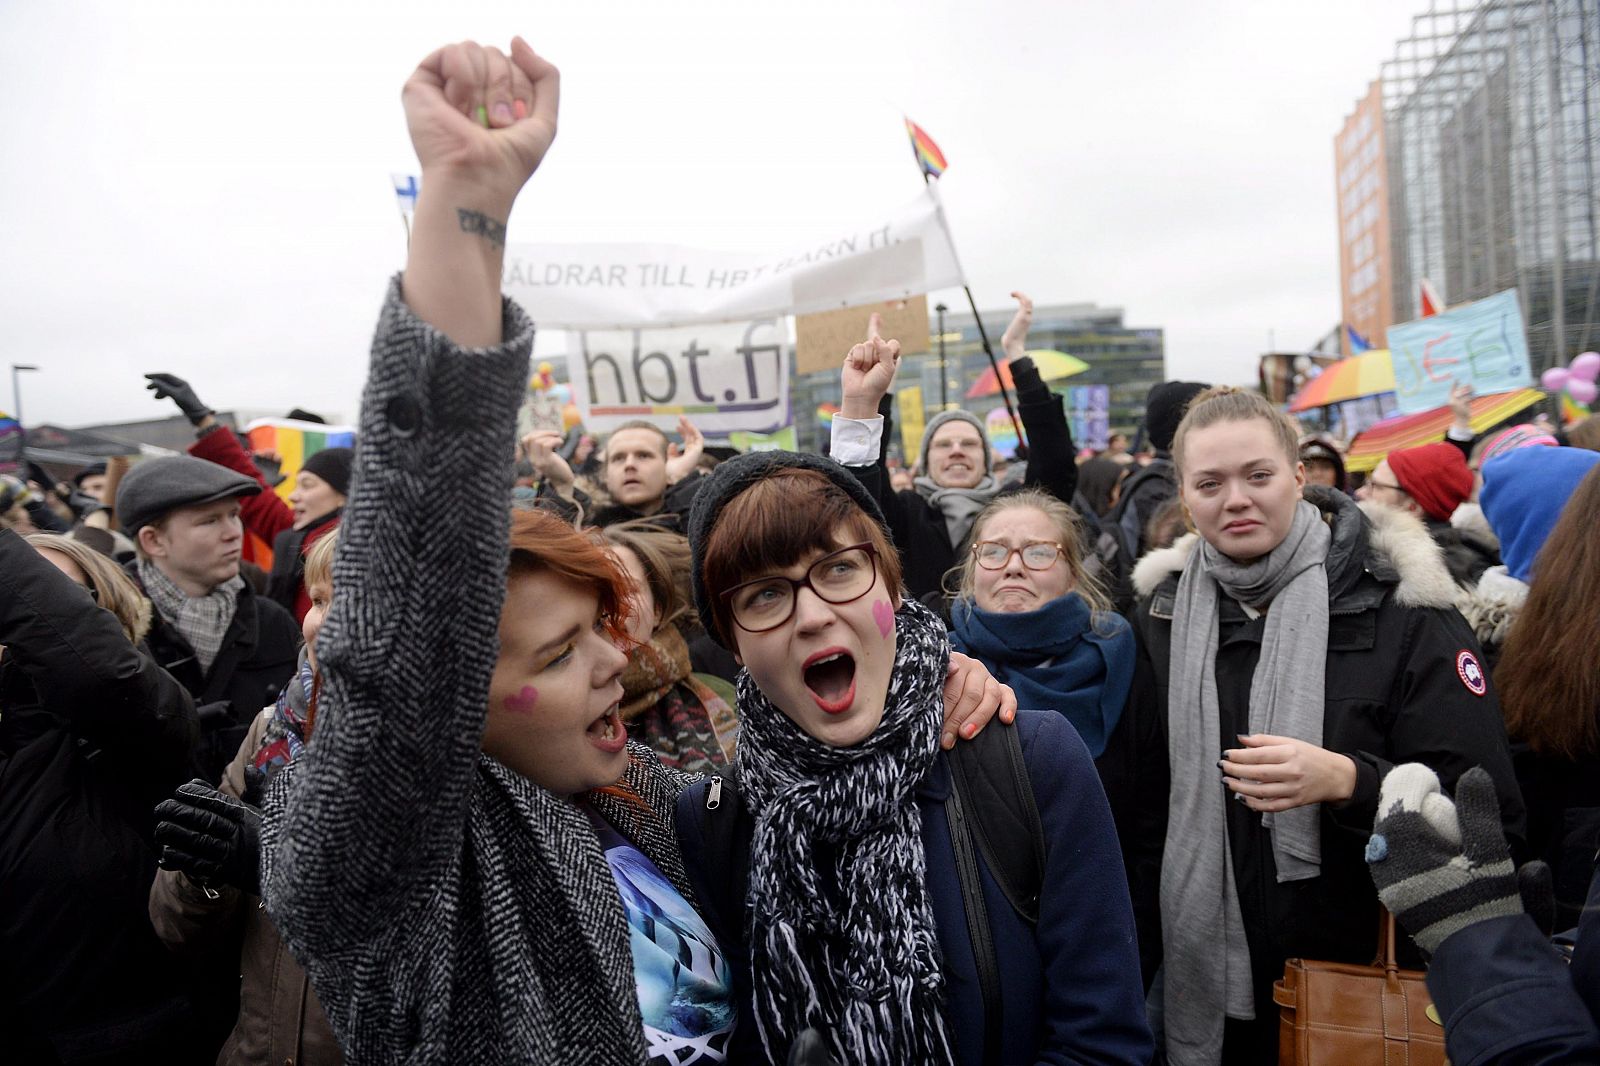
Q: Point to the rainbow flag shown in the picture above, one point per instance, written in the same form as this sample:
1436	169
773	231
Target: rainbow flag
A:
929	158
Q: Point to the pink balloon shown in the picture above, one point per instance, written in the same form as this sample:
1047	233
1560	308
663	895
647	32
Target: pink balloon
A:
1555	379
1582	391
1586	367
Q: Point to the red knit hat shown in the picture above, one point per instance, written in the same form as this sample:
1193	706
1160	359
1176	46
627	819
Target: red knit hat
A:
1435	475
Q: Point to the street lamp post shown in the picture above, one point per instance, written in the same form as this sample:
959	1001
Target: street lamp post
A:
944	371
16	401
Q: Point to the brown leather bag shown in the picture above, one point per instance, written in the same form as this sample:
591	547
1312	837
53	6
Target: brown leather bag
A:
1343	1014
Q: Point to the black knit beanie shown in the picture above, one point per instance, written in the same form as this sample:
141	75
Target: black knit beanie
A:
735	475
1163	410
333	466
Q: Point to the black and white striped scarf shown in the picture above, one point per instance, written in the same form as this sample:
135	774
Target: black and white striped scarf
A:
842	934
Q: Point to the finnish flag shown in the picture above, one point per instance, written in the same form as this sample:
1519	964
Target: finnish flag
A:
405	192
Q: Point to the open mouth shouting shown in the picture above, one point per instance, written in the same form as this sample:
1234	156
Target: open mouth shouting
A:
607	732
830	677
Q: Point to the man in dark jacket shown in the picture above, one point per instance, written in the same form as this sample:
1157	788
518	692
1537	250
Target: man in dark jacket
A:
231	649
92	734
1431	481
644	479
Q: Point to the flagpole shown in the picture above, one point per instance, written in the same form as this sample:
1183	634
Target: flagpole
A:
983	334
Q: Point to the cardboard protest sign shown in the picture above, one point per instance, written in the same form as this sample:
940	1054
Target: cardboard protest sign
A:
1481	343
822	339
726	377
605	286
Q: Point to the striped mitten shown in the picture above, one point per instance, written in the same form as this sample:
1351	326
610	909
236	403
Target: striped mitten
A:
1441	866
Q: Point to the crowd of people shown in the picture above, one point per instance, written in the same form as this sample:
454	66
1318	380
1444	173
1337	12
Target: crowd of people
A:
641	757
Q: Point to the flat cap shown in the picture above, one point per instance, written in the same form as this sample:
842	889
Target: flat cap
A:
157	487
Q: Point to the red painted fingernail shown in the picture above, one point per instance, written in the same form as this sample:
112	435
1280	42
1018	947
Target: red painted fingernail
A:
969	730
519	109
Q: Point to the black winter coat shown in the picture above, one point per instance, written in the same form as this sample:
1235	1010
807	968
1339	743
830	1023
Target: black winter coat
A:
1401	687
918	527
93	733
256	659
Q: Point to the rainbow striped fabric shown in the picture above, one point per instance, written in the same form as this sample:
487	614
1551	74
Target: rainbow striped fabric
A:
929	158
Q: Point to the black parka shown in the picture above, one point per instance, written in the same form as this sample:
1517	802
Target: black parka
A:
93	733
1404	684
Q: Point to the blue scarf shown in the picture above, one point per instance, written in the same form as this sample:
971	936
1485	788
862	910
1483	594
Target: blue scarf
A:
1054	660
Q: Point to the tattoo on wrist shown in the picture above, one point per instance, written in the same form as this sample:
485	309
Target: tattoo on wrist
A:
484	226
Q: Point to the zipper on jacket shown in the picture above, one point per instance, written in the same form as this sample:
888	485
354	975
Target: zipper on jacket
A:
714	797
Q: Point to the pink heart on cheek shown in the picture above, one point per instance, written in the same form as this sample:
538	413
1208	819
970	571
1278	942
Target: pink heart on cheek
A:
883	614
523	702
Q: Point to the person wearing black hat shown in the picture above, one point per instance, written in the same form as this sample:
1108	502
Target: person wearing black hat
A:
1324	464
232	650
314	508
91	480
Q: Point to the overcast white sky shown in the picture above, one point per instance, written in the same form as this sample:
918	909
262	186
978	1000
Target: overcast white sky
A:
202	188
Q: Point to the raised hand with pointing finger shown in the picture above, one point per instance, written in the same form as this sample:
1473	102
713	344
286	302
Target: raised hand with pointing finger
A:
1015	338
869	369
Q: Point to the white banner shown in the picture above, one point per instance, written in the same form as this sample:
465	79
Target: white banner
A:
725	377
603	286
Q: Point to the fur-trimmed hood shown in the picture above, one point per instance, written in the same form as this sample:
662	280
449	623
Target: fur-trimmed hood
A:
1491	606
1398	551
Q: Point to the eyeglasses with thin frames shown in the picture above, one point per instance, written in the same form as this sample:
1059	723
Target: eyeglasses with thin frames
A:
838	578
1036	555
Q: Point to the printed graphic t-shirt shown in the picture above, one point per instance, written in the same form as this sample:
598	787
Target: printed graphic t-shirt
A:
685	992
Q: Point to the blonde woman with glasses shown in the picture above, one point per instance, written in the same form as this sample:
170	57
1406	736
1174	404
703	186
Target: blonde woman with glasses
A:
1027	609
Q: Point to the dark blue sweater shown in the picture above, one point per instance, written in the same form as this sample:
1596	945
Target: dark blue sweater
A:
1071	987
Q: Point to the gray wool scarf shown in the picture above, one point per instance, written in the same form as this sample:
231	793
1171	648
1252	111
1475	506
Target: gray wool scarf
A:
203	620
841	929
1207	958
959	506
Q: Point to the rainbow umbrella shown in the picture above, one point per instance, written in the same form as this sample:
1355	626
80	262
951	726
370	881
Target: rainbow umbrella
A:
825	413
1361	375
1427	427
1053	366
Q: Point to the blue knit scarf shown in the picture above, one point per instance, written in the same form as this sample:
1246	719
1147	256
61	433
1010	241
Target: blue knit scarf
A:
1055	658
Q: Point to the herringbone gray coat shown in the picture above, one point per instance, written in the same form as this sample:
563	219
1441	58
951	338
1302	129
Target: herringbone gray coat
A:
448	910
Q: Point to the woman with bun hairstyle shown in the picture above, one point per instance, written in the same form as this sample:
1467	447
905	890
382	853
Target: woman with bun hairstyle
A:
1302	646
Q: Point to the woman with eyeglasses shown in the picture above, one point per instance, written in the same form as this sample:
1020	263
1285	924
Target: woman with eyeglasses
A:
1027	609
838	879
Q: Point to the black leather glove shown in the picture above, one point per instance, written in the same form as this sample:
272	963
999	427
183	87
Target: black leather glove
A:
1025	376
174	388
211	836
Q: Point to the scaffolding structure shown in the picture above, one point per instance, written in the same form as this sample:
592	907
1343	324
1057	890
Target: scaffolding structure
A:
1492	129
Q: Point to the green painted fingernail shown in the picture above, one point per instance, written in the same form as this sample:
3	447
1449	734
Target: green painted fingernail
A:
483	116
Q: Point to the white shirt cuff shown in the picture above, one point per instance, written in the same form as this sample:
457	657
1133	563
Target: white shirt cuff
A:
855	441
1457	433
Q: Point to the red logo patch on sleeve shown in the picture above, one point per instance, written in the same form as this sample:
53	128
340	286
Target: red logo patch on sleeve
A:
1471	672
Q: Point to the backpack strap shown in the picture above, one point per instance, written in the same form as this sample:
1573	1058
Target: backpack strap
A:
984	957
992	778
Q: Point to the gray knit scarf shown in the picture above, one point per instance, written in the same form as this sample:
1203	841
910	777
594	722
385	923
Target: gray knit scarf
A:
1202	927
841	931
959	506
203	620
